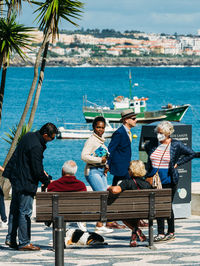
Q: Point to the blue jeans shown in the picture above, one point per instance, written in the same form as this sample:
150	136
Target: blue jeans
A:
2	207
20	219
97	179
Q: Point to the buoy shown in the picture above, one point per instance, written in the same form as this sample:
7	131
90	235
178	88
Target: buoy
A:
134	136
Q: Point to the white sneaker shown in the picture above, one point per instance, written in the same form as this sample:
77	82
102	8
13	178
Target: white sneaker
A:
103	230
82	226
4	224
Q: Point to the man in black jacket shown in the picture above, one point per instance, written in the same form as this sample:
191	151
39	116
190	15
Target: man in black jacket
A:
25	170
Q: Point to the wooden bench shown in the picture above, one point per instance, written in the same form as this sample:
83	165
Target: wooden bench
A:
102	206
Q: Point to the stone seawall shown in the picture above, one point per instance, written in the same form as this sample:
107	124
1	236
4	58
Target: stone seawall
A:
115	61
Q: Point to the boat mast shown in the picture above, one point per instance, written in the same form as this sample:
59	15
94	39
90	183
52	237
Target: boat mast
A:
130	84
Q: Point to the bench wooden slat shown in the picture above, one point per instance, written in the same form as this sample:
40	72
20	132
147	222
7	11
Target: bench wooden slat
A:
77	205
96	217
83	201
92	208
97	194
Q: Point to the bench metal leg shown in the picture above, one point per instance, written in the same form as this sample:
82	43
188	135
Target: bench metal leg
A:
64	233
55	211
59	241
151	216
151	246
53	234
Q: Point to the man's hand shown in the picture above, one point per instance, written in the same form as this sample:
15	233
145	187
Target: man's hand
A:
103	159
115	189
45	173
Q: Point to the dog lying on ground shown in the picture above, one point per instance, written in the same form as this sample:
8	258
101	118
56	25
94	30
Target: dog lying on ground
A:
78	237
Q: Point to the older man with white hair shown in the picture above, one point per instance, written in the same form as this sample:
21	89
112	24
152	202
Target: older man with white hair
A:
68	183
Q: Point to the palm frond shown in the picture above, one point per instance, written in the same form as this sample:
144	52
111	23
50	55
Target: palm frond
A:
12	131
14	37
51	11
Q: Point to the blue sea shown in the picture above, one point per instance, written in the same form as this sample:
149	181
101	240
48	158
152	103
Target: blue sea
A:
62	98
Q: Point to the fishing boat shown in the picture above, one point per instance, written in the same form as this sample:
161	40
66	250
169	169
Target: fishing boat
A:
82	131
169	112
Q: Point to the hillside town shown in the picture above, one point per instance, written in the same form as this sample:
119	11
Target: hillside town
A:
87	44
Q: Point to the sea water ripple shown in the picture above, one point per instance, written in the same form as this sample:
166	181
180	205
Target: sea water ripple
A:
62	97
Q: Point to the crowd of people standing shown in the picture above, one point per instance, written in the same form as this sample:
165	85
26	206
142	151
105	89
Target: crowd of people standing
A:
25	170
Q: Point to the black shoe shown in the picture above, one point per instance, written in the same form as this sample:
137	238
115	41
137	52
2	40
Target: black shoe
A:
11	245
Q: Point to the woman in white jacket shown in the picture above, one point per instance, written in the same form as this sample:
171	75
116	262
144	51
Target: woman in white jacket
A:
95	154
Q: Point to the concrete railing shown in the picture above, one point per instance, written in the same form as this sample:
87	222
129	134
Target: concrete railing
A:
195	203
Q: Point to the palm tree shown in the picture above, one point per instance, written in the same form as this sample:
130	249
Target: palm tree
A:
51	11
13	37
12	5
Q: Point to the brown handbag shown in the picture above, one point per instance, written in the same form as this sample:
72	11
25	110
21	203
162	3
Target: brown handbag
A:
154	180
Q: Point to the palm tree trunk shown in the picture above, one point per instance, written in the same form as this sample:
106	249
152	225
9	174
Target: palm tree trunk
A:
6	185
39	86
3	81
1	60
10	6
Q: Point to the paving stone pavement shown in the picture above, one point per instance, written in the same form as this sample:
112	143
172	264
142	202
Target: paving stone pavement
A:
184	250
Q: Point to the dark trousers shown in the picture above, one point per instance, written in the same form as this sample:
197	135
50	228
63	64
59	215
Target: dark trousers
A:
2	207
170	221
20	218
116	178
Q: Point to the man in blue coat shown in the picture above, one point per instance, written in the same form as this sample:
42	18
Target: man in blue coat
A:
120	147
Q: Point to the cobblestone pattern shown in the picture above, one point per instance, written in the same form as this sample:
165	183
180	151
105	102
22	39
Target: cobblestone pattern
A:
184	250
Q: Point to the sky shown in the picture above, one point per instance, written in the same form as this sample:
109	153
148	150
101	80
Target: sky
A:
150	16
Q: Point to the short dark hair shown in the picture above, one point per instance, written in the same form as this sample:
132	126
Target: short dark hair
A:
97	119
49	129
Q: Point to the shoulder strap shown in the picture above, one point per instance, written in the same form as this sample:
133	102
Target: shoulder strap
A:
136	183
162	157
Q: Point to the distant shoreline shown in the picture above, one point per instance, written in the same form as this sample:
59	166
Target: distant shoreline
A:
112	62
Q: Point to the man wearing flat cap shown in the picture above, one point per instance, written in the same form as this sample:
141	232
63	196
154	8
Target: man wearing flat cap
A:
120	147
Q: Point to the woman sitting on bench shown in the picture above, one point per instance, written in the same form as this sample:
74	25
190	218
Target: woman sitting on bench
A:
137	172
